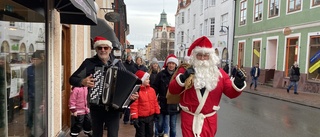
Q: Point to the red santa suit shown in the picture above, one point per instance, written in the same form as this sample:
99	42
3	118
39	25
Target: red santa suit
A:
198	115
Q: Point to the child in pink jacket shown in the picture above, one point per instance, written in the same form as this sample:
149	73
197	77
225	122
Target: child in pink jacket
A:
80	111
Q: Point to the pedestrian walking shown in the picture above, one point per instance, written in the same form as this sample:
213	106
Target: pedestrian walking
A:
83	77
168	112
153	70
255	73
294	78
130	66
80	111
145	110
201	87
139	65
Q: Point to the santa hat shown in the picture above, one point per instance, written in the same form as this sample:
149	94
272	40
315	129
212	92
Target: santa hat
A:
171	58
142	75
202	44
98	40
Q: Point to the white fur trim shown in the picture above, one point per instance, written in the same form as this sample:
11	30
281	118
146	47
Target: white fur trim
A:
202	50
235	87
99	42
174	60
145	76
179	81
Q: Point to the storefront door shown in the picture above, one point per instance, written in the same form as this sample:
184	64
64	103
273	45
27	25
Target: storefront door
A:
65	52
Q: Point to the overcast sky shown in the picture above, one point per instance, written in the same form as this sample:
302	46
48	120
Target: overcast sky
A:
142	15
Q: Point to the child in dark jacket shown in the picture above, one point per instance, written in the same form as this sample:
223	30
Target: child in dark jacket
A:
145	110
80	111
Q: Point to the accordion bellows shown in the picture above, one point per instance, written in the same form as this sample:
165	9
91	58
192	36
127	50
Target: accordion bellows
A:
113	86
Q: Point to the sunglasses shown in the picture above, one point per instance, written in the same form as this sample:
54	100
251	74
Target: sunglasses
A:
105	48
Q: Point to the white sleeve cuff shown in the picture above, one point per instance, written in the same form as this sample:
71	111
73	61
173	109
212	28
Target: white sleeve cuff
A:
179	81
235	87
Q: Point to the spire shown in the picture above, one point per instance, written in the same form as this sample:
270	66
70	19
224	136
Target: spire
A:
163	19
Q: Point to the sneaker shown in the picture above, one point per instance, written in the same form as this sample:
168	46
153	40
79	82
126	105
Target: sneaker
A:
165	135
296	93
287	90
125	122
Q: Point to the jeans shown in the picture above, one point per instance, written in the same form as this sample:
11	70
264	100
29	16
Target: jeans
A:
173	122
294	84
165	123
162	126
254	81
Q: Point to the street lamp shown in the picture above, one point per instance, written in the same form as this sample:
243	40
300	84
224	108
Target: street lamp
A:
222	31
182	49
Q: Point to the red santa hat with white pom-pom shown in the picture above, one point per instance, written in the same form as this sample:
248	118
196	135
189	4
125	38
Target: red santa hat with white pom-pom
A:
98	40
171	58
201	45
142	75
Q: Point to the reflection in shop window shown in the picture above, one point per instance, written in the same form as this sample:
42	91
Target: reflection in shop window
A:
314	58
24	82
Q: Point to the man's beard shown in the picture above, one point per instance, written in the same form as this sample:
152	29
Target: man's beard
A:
206	74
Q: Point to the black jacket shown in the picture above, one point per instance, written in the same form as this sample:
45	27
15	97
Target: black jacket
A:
88	67
294	74
130	66
141	67
161	85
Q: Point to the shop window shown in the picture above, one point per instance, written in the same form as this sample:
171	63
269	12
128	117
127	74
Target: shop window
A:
314	58
15	54
291	54
256	52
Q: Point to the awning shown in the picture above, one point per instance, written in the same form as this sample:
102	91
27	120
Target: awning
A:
104	30
77	11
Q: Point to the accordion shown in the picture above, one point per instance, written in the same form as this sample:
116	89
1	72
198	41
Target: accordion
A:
113	87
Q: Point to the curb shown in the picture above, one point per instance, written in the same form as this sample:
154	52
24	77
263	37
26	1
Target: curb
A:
278	98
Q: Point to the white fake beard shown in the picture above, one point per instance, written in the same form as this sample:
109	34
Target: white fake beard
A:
206	74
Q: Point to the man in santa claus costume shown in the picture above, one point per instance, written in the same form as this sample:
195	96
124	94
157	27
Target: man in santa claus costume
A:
200	98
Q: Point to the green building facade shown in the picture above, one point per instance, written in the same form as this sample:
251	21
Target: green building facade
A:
276	34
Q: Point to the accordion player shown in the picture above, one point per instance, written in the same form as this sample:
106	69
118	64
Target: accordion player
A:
113	87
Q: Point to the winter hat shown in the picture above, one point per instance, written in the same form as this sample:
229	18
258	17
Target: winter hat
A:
171	58
98	40
202	44
154	61
142	75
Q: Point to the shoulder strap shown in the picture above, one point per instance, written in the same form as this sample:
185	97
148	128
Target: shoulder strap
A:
115	61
